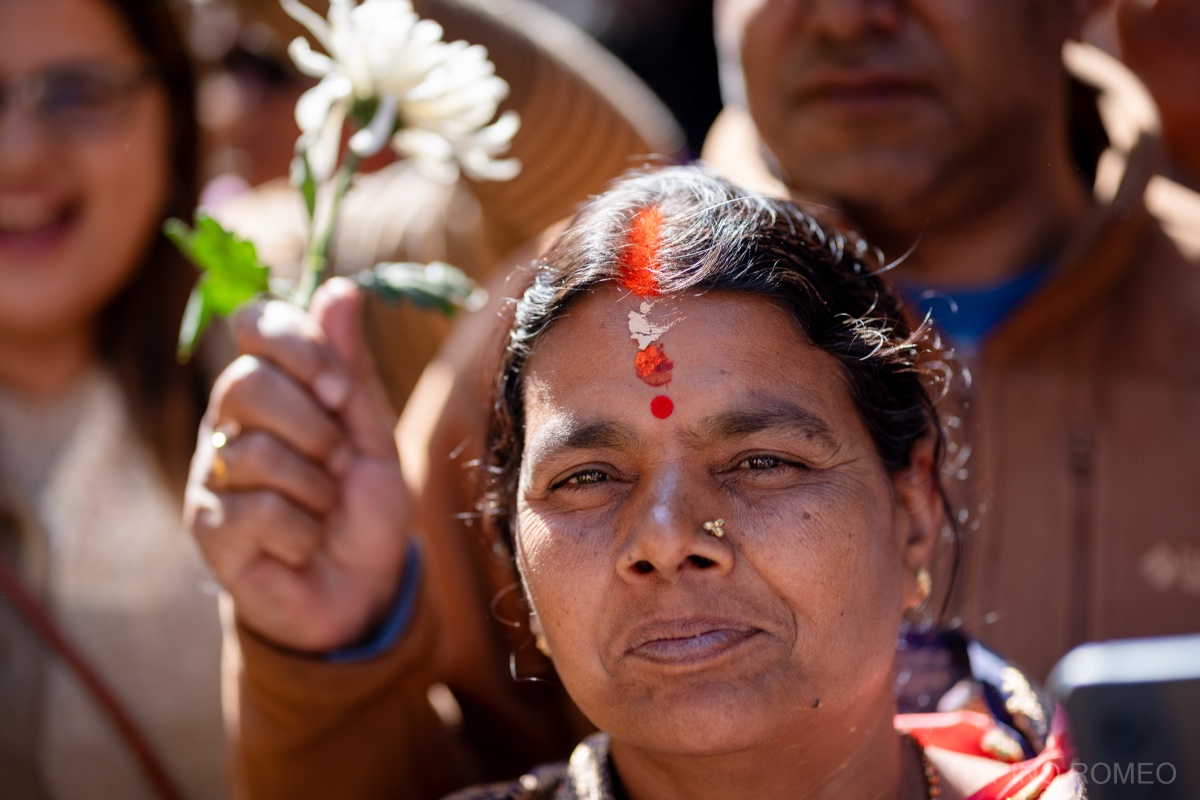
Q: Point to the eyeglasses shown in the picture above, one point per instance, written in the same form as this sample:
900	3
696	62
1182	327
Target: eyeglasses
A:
260	69
75	101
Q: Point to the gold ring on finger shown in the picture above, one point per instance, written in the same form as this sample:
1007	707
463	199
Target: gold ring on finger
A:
220	468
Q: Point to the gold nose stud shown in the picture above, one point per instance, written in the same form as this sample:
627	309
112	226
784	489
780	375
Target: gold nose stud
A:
715	528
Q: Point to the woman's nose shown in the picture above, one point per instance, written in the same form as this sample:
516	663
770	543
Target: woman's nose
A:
21	138
667	538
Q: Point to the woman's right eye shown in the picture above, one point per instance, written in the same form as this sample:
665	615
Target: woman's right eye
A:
79	94
585	477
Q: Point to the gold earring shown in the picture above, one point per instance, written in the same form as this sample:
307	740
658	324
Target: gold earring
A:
715	528
539	638
924	584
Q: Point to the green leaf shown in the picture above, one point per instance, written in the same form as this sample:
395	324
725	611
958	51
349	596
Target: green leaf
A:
195	319
435	285
231	275
302	179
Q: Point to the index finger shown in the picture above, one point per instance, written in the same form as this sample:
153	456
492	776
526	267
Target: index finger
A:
286	335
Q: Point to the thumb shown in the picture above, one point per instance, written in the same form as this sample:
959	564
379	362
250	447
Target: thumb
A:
369	419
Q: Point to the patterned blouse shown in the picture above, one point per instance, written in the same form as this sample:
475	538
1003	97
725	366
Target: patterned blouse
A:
589	775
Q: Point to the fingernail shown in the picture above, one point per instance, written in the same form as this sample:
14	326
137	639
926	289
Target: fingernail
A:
331	389
339	461
338	286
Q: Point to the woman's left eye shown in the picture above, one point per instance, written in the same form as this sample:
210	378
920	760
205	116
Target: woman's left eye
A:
762	462
771	465
766	471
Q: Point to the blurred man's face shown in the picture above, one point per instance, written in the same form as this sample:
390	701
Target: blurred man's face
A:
885	103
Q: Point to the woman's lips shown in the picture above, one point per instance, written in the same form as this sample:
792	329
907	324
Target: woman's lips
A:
32	228
689	642
27	211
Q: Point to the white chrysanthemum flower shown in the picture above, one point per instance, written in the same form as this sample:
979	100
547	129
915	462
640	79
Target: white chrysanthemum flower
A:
441	96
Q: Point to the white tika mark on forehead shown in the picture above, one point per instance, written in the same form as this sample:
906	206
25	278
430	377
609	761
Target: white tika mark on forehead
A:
643	330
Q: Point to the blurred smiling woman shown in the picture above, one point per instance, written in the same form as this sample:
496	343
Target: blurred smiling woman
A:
714	460
98	146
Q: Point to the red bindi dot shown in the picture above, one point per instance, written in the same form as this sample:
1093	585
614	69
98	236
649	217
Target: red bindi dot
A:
661	406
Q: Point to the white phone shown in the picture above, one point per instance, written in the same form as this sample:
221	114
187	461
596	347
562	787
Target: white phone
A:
1133	708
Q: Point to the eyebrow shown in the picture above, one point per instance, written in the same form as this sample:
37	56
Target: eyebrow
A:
768	415
598	435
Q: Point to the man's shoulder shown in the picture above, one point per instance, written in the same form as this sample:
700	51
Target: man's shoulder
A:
1162	280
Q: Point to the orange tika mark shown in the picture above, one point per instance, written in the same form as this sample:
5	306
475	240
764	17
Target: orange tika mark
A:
653	366
639	261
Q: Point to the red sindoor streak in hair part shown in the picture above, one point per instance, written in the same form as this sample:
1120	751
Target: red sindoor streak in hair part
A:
639	259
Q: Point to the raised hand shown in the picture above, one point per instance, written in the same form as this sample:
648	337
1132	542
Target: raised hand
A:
302	513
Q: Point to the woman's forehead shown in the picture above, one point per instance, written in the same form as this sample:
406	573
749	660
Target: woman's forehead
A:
708	354
83	30
612	323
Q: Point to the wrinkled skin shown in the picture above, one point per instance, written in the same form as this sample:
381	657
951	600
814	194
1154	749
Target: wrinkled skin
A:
782	632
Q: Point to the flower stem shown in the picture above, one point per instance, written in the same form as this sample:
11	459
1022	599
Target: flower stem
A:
315	263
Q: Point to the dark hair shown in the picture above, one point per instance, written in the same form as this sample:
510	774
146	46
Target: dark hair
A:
715	237
138	329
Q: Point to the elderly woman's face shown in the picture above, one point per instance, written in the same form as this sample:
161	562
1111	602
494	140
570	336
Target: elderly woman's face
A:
666	636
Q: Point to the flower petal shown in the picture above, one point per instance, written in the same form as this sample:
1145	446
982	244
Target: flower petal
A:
480	166
309	61
340	13
429	152
322	145
371	139
310	19
445	94
499	134
314	105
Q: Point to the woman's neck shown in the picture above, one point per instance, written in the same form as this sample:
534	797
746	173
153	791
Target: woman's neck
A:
45	366
818	765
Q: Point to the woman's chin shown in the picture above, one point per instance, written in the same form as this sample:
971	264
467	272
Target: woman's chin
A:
703	721
691	741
